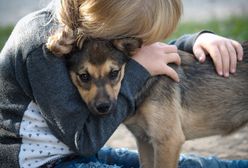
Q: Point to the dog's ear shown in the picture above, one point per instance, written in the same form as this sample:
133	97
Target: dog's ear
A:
78	45
127	45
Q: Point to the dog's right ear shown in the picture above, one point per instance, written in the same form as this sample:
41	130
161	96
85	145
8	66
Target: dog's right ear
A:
127	45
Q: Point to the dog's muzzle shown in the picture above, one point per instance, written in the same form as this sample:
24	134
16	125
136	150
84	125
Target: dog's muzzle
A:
102	108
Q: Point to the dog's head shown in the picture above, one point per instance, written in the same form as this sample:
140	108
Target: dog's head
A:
98	69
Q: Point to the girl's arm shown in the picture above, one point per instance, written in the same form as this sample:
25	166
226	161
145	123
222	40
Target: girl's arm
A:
66	114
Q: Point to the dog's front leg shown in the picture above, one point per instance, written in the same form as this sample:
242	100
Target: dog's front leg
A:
167	149
146	153
166	155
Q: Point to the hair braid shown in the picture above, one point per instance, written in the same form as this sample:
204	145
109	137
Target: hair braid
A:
63	40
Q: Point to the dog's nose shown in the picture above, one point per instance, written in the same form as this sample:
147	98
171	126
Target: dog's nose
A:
103	107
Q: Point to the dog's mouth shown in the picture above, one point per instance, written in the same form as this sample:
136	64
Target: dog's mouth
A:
102	109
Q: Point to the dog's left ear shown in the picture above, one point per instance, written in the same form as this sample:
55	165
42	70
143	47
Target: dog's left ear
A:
127	45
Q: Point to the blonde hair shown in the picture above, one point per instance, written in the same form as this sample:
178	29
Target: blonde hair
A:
150	20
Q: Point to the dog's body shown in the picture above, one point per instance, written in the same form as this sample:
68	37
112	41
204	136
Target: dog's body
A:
168	113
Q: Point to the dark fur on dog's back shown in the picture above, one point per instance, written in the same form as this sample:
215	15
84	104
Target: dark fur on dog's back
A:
168	113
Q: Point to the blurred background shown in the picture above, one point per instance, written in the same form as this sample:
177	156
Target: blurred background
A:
225	17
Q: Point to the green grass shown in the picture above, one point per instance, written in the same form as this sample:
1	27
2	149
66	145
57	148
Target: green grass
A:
4	34
235	28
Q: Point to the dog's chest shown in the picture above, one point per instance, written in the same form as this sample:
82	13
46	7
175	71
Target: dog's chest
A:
138	132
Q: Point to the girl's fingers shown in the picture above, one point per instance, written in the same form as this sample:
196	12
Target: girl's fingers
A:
216	56
169	48
239	49
233	57
171	73
172	58
223	51
224	55
199	53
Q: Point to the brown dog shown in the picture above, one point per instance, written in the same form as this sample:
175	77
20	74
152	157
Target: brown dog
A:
202	104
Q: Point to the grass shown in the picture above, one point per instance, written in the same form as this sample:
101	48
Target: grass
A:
4	34
235	28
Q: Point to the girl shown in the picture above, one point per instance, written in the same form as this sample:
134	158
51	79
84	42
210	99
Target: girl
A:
43	121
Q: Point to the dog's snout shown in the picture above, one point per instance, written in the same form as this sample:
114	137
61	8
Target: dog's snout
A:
103	107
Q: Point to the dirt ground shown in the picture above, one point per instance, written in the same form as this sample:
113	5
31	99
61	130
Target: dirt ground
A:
234	146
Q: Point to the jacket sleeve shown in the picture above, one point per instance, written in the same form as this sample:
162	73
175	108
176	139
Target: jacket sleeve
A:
65	112
186	42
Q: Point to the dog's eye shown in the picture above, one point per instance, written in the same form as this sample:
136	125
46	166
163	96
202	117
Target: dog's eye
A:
113	74
85	77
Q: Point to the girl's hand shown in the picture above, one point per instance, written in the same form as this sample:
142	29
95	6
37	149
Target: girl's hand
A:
224	52
155	58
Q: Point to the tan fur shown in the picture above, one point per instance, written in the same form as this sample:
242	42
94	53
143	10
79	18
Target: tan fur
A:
87	95
163	133
169	113
117	86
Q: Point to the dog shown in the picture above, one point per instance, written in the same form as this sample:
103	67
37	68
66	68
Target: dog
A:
168	113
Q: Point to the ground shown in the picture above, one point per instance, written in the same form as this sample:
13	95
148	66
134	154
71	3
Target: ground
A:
234	146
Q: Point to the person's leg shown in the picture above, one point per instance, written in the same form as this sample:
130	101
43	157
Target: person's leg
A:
119	156
82	162
106	158
123	158
196	161
130	159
